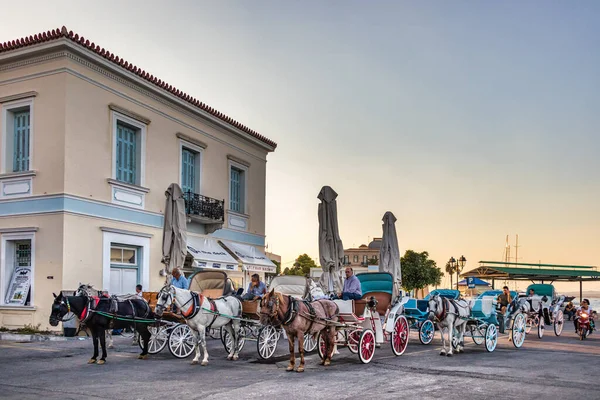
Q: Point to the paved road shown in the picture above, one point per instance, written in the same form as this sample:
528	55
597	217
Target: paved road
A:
548	368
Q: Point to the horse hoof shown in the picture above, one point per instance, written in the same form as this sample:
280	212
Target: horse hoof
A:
110	346
442	353
194	362
326	363
142	357
92	361
300	369
289	368
229	357
101	362
235	358
449	355
204	363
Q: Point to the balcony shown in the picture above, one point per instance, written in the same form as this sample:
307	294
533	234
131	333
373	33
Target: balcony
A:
204	209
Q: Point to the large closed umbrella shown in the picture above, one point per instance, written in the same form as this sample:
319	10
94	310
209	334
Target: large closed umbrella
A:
389	254
331	250
174	229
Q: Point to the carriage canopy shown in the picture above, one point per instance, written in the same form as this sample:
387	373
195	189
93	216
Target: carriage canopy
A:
295	286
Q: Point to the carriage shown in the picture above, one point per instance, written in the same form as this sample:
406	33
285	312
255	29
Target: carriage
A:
360	326
543	308
417	313
484	321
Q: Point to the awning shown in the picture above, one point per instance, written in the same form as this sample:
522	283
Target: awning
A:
251	258
207	253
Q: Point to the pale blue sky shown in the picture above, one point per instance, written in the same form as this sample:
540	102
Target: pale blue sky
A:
468	120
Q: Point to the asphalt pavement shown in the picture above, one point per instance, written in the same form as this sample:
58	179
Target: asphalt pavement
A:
553	367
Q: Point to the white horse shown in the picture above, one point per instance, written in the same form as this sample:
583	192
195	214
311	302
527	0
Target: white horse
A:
450	314
201	312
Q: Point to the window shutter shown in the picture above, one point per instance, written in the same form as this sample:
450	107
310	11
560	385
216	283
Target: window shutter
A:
188	171
126	154
21	141
235	190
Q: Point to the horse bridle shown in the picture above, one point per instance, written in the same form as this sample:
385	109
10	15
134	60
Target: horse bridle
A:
65	302
274	310
167	292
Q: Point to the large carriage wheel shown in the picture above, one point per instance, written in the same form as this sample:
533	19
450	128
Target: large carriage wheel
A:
399	339
426	332
159	336
310	343
518	330
491	338
227	340
267	342
478	334
182	341
559	321
366	346
352	340
541	329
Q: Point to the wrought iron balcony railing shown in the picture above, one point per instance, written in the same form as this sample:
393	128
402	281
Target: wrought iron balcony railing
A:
204	207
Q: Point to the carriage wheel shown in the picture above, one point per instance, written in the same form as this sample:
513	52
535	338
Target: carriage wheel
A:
426	332
182	341
267	342
321	345
559	321
491	338
227	340
366	346
541	329
128	332
478	334
399	340
518	330
159	336
352	341
310	343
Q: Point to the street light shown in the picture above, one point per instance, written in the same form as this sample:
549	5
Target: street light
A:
457	266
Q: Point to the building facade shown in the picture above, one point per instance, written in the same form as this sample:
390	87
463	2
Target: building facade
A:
89	144
359	258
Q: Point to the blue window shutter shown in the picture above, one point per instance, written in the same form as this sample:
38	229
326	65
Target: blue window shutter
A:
188	171
126	154
235	190
21	141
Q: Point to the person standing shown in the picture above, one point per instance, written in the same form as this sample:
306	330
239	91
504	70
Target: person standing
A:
180	282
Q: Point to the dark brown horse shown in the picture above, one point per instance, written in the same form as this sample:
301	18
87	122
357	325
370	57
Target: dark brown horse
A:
299	317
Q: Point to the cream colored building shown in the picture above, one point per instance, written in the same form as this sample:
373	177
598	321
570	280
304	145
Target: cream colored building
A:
89	145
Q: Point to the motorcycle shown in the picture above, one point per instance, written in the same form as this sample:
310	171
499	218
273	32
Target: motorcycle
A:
584	324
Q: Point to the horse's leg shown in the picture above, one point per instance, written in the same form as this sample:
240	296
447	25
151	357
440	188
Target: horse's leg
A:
292	363
95	340
236	333
443	334
202	341
142	330
450	335
301	351
109	338
196	332
229	329
331	339
102	337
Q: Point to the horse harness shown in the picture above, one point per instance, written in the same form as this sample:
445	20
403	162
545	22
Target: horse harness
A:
94	301
446	303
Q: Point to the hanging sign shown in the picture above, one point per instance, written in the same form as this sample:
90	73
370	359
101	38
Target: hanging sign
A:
19	286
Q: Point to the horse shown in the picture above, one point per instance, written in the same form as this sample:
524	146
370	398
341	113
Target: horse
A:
87	289
450	314
299	318
202	313
88	310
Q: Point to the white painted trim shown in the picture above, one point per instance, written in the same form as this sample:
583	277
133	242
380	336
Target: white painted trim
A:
144	243
184	143
115	116
6	237
6	109
231	163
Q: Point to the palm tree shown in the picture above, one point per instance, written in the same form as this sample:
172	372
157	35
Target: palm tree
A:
450	271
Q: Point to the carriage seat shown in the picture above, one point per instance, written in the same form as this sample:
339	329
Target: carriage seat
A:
483	307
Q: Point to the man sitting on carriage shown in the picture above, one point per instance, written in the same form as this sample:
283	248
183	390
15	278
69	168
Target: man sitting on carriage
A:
256	289
352	289
504	300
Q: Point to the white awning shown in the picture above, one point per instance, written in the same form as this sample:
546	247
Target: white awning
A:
251	258
207	253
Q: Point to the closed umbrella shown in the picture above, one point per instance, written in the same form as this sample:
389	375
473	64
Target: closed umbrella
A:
331	250
174	229
389	254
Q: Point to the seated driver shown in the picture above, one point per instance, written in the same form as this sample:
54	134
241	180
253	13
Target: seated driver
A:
352	290
256	289
504	299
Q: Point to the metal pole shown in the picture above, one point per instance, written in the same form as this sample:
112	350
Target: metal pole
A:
493	284
580	291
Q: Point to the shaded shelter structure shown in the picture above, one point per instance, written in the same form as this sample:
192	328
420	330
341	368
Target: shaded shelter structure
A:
544	273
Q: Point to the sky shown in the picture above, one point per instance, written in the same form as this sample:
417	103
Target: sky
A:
468	120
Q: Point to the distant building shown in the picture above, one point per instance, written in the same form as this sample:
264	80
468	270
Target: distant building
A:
358	258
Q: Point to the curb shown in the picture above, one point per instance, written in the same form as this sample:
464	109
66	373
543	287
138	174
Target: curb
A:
16	337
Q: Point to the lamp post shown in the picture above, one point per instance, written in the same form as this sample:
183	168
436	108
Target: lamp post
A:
457	266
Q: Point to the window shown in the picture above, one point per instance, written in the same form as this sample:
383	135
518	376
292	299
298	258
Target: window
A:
124	269
16	274
355	259
237	189
17	129
128	150
346	260
190	167
365	259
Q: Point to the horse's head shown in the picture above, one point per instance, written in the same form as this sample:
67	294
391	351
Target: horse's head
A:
435	306
164	299
60	308
269	306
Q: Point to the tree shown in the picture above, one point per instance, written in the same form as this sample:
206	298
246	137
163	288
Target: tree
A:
450	272
418	271
302	266
373	261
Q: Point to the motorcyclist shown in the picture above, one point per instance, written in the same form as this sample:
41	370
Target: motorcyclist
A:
585	307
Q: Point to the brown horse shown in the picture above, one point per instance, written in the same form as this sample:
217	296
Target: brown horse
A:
299	317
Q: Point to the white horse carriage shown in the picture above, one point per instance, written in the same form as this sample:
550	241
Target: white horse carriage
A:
479	318
543	308
360	326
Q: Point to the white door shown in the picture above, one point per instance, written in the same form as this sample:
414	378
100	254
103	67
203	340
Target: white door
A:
122	281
